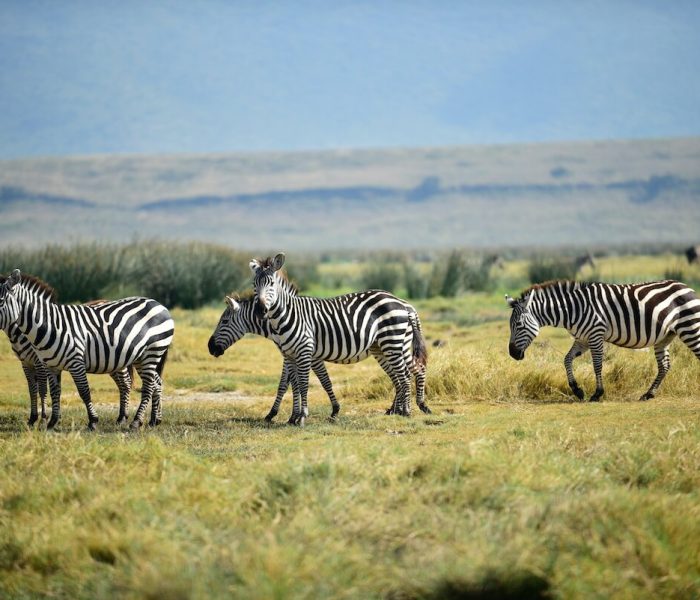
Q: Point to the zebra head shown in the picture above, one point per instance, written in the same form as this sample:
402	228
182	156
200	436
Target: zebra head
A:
265	283
9	305
523	325
230	328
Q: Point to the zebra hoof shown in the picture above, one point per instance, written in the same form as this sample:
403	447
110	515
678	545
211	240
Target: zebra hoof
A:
92	426
32	419
271	415
53	421
297	420
646	397
578	392
154	422
135	425
122	419
424	408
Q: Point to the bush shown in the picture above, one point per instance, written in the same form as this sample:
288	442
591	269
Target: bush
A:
303	273
187	275
381	277
547	269
417	283
78	273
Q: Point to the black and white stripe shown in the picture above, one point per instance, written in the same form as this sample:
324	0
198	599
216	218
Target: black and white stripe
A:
241	317
344	329
101	338
631	316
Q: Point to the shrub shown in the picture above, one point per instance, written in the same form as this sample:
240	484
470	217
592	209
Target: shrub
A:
417	283
78	273
187	275
546	269
304	273
381	277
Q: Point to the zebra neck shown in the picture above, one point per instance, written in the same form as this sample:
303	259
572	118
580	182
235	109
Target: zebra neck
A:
255	324
550	310
36	314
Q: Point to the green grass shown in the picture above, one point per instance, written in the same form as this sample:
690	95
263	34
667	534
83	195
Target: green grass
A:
509	487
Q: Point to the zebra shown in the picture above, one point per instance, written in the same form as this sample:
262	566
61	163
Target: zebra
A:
81	339
242	316
344	329
37	375
631	316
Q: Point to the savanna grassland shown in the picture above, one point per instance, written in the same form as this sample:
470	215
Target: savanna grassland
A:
509	489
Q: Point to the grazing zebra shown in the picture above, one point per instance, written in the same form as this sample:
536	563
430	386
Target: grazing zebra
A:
241	317
631	316
345	329
81	339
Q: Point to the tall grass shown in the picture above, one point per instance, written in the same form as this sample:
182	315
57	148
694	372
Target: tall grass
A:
177	274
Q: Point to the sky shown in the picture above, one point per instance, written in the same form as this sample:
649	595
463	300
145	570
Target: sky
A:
88	77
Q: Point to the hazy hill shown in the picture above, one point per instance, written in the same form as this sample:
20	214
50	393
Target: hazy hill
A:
544	194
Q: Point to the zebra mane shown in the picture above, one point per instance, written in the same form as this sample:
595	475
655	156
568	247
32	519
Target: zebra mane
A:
243	296
34	284
566	283
288	285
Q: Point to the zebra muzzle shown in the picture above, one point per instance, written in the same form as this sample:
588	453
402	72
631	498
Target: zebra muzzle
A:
214	348
515	353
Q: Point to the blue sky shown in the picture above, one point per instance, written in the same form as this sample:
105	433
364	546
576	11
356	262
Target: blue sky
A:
82	78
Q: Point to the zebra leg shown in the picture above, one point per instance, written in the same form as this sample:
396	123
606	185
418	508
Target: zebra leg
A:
30	375
123	381
55	389
419	373
399	377
42	376
320	369
302	367
281	391
80	378
663	362
148	381
156	409
597	357
577	349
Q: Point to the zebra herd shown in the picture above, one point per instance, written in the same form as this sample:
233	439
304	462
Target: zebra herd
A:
118	337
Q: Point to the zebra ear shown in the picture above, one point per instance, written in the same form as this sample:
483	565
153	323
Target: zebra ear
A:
278	261
232	303
511	301
254	265
13	279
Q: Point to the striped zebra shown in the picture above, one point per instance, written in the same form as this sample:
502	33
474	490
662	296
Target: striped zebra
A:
345	329
37	375
630	316
81	339
241	317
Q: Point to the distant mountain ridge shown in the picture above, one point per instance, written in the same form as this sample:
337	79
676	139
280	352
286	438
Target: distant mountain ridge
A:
544	194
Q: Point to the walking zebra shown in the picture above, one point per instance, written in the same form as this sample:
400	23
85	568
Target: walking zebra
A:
37	375
81	339
631	316
241	317
345	329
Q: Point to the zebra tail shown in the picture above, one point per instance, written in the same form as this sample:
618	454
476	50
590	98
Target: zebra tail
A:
161	364
420	350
